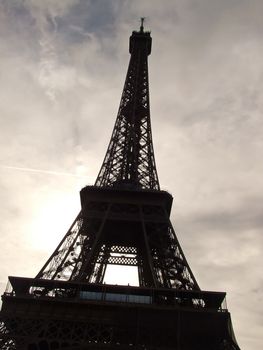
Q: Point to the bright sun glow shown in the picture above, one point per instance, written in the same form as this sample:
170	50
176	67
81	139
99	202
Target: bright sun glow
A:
52	221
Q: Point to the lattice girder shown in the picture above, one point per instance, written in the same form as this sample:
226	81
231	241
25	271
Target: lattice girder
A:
130	156
116	228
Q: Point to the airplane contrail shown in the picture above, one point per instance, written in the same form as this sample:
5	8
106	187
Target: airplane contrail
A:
41	171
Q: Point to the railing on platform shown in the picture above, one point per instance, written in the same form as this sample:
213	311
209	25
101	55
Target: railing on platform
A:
82	292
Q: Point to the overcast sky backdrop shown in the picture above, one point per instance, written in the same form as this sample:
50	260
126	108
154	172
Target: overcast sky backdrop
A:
62	69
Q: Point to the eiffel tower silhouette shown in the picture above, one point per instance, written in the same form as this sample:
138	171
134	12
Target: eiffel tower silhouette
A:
124	220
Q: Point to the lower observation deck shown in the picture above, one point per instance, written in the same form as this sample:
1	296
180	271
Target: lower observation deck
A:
48	314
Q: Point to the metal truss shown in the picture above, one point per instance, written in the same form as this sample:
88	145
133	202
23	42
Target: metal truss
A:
88	248
61	263
130	159
53	334
170	265
44	334
84	253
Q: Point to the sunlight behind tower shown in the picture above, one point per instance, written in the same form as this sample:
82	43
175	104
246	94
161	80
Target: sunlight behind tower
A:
121	275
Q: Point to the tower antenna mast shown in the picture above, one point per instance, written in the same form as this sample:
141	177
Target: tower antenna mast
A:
142	22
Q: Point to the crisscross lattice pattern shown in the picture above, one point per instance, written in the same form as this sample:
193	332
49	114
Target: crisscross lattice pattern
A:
130	158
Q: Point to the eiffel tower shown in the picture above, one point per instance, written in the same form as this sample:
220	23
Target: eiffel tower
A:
124	220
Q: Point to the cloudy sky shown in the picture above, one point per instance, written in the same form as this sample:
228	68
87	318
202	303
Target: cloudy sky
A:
62	70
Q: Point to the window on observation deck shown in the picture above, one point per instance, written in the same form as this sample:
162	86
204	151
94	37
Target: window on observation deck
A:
116	297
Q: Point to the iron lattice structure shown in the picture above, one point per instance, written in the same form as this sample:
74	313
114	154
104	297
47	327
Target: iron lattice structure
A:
150	242
124	220
130	158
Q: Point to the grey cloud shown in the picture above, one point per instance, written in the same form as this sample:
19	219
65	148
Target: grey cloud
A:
248	215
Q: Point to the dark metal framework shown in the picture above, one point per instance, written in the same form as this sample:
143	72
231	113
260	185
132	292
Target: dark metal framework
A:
124	220
130	159
41	314
122	227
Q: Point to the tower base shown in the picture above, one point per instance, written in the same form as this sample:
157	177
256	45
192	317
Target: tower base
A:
47	315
